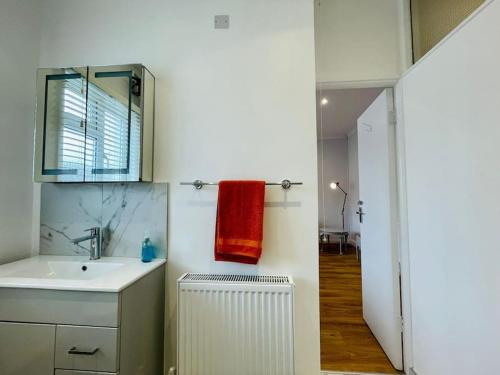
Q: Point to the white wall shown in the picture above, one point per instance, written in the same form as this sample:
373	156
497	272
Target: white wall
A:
332	166
353	168
237	103
360	40
452	132
19	48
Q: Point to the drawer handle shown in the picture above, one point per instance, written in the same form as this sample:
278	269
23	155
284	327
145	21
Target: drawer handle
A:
76	351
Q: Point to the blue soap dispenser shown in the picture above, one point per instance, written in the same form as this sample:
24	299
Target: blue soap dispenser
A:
148	249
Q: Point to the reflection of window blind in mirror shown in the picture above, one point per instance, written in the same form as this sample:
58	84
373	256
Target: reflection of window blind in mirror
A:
107	122
432	20
107	134
71	137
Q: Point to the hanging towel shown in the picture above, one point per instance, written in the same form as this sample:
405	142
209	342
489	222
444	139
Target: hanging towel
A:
240	217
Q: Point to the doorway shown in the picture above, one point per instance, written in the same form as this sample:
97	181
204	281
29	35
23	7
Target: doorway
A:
360	301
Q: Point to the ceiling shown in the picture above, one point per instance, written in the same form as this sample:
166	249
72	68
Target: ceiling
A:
341	113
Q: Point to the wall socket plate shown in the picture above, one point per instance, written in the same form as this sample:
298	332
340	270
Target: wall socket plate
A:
221	21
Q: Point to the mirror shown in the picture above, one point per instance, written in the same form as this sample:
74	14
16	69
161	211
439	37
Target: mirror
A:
94	124
64	120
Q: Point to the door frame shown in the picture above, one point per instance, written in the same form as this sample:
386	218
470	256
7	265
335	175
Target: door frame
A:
402	206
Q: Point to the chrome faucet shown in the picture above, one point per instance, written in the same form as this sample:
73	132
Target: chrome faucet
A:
95	242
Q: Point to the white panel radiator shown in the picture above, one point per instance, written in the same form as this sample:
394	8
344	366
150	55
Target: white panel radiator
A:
235	325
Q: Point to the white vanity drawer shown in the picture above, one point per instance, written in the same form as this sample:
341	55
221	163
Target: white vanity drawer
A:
76	372
87	348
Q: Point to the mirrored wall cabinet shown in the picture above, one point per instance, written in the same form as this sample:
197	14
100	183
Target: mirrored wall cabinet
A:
94	124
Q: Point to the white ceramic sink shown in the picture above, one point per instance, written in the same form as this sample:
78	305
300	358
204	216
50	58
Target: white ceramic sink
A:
61	269
75	273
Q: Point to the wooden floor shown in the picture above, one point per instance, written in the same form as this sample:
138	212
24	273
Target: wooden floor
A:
347	343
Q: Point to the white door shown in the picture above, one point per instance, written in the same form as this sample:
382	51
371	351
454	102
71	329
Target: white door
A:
378	200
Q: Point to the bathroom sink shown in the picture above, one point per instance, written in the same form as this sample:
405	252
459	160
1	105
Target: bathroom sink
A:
60	269
75	273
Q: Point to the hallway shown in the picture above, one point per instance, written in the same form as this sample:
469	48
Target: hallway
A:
347	343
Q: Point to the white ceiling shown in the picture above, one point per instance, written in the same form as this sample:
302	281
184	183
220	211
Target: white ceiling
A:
341	113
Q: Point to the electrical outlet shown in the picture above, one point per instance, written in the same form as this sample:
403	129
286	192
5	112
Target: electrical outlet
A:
221	21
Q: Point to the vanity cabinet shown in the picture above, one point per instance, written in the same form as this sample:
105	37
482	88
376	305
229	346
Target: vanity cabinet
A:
94	124
27	349
87	348
59	332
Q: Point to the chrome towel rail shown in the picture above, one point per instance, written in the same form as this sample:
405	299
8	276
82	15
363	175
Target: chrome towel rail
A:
285	184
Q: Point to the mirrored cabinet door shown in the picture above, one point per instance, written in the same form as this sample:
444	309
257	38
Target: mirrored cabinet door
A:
94	124
62	112
114	123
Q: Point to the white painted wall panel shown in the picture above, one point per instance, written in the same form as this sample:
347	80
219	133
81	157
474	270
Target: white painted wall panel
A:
19	49
353	198
332	166
451	117
236	103
360	40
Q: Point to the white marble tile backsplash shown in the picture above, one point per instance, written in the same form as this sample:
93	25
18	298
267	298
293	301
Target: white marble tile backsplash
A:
124	211
130	211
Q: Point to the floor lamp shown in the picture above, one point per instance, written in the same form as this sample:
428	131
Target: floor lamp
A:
334	186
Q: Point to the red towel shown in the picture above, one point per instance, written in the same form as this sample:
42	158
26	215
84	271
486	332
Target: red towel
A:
240	217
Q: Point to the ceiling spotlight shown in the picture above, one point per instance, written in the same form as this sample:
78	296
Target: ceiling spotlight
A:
324	101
